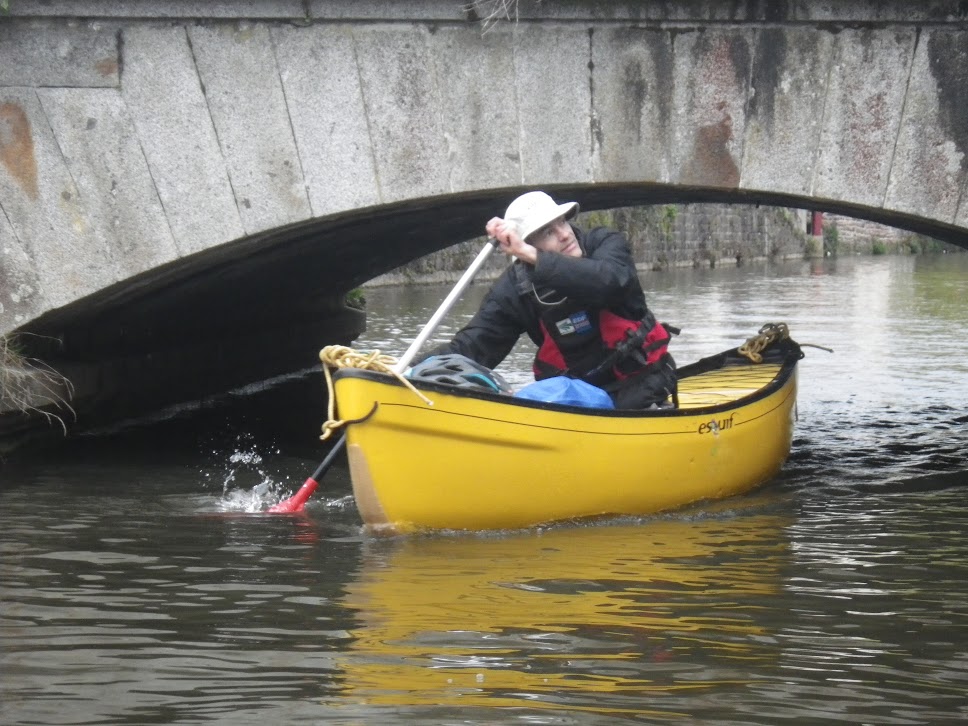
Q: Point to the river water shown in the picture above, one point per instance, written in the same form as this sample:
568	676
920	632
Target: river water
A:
140	585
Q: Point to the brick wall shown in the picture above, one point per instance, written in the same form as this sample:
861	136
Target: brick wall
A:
858	236
710	234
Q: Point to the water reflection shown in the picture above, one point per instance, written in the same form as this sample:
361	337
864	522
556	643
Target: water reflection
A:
607	619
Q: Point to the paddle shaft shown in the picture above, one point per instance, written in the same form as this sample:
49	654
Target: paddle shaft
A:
445	306
297	501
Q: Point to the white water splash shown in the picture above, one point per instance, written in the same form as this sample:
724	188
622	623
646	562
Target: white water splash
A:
239	494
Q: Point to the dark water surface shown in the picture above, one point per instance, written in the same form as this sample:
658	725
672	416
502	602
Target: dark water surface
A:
137	588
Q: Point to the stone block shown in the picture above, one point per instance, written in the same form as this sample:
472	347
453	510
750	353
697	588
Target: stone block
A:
789	84
846	11
227	9
862	114
164	97
404	111
238	71
383	10
20	295
552	94
38	53
632	104
324	99
104	157
475	74
930	167
42	203
711	72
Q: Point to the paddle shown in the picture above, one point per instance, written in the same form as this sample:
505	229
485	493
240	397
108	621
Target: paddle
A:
297	501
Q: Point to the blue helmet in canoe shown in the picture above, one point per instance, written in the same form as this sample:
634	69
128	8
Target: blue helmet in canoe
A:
458	370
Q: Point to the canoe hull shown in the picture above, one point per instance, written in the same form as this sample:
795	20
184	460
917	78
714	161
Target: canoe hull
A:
480	463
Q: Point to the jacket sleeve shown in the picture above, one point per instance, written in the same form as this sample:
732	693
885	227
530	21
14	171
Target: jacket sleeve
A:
604	277
492	332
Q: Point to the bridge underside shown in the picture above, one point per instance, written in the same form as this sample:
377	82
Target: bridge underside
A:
264	306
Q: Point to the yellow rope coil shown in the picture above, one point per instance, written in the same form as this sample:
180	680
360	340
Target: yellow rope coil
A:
768	335
341	356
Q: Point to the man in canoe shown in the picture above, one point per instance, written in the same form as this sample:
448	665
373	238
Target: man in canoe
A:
577	295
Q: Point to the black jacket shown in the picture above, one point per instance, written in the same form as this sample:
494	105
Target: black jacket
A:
603	278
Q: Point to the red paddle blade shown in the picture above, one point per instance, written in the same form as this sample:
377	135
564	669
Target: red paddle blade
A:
297	502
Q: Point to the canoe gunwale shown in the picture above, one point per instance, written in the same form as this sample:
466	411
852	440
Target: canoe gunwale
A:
787	355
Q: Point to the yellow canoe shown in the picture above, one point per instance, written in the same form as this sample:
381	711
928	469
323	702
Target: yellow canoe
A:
479	460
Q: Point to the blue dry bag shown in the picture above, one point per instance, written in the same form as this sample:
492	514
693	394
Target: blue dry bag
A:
568	391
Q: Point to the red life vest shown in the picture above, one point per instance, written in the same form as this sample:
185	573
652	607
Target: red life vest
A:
600	348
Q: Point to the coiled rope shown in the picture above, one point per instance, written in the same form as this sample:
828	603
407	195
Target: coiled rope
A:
341	356
768	335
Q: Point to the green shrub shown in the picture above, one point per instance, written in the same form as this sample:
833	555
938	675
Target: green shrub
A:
831	239
356	299
920	244
668	221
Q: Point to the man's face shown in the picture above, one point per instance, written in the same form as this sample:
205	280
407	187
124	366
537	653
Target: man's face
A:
556	236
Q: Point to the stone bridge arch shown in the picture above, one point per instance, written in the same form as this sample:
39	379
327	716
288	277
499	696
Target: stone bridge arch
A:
171	176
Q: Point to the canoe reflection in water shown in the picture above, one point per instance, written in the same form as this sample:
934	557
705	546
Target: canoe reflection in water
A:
607	619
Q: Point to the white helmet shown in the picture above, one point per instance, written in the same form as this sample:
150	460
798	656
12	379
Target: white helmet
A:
532	211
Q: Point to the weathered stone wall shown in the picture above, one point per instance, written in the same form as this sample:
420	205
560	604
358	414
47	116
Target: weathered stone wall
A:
661	236
860	236
692	235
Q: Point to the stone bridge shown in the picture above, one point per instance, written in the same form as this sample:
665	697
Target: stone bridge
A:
188	190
